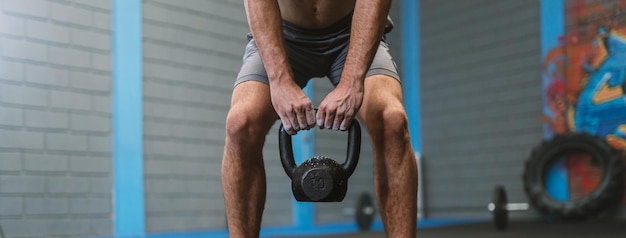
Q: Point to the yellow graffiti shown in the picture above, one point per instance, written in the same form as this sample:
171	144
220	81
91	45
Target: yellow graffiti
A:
616	142
606	93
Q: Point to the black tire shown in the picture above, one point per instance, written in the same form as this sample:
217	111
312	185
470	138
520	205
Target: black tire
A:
608	194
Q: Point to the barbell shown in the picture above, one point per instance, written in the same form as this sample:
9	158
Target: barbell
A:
500	208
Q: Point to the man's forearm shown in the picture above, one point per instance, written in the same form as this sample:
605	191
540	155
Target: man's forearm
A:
266	26
368	24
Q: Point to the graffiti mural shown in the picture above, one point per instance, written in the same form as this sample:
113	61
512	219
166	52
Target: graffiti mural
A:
585	81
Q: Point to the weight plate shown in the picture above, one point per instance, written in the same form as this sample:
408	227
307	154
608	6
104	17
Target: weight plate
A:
364	212
500	213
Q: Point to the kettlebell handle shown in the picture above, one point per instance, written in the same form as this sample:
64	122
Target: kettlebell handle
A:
354	147
352	157
286	151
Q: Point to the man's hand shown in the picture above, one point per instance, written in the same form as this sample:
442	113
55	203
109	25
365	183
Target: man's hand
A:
339	107
293	107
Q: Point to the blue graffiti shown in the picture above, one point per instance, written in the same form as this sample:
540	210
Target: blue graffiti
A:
596	112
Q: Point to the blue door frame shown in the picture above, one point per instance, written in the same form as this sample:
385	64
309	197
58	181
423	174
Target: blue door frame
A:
128	192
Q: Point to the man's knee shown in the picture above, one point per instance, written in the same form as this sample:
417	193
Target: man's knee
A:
394	123
251	115
244	130
387	123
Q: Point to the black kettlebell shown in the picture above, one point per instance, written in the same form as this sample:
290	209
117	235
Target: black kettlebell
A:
320	179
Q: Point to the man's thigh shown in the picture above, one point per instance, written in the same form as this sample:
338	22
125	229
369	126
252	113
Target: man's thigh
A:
382	64
381	93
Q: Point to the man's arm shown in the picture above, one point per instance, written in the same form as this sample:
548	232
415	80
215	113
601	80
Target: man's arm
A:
265	24
291	104
368	23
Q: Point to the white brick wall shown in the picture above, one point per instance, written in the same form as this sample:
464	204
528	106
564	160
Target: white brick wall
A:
481	100
189	72
55	118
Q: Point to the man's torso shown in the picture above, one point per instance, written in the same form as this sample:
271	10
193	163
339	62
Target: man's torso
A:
315	14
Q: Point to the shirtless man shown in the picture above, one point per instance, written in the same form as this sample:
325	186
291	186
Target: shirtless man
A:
295	40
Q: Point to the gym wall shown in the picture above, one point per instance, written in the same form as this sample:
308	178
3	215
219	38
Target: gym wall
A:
55	112
481	101
192	53
55	118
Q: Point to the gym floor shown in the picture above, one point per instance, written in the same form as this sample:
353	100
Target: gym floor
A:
516	229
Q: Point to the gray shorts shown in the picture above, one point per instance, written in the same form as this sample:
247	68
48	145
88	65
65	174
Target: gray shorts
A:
314	54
